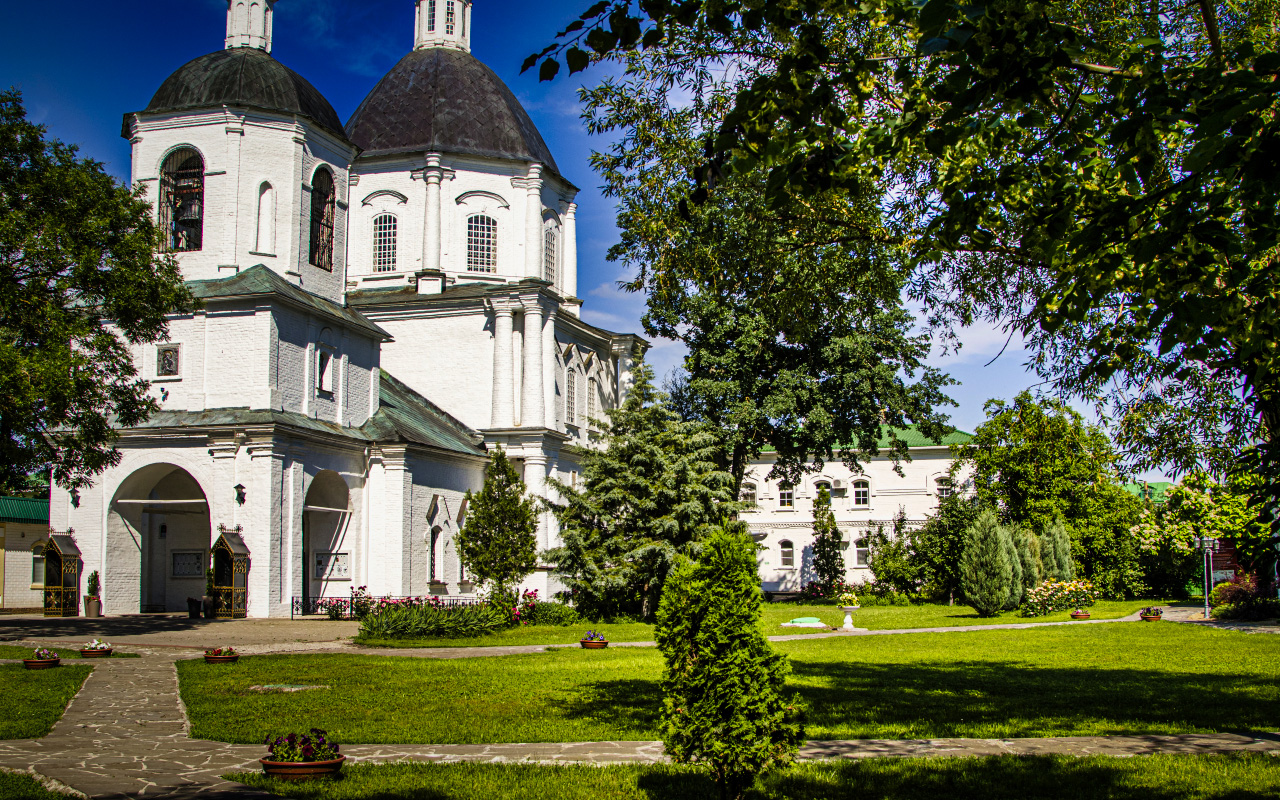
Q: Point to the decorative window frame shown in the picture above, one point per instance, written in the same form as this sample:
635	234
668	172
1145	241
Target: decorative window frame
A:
156	367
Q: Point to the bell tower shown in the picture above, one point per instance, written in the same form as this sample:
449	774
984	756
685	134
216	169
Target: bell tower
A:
443	23
249	24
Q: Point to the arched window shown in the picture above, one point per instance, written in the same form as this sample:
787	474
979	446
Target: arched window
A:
323	210
593	389
571	397
819	486
549	256
450	17
182	201
786	495
265	242
788	553
482	243
945	489
748	493
861	552
431	16
37	565
384	243
861	493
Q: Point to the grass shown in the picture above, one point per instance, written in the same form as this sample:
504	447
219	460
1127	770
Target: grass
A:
31	701
1238	777
1128	678
20	786
12	651
876	618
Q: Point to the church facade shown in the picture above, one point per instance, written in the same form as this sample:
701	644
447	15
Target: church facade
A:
384	302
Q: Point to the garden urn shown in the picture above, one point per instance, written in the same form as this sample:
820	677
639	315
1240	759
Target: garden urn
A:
848	617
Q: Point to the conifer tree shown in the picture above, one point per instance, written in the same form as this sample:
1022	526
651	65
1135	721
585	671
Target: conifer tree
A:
828	561
1015	567
986	574
722	682
1027	549
498	543
1056	543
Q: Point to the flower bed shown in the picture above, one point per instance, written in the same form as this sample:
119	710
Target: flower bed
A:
1052	596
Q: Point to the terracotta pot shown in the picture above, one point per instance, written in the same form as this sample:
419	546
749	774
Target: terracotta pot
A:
1074	615
301	770
1151	617
95	654
41	663
208	659
595	645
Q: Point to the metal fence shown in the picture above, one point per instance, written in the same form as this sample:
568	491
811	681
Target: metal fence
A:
357	607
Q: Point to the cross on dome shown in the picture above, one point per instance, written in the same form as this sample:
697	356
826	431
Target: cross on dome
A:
443	23
249	24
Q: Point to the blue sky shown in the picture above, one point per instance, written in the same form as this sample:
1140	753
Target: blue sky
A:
81	65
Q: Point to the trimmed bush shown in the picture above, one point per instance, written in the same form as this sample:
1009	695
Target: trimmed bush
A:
555	614
1052	596
986	574
430	620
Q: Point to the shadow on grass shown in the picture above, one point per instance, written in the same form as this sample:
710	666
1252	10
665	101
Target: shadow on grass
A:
632	704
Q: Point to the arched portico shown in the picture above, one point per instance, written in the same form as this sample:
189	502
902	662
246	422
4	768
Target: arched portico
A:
157	544
327	559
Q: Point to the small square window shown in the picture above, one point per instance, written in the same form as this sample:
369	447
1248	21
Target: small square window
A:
786	496
168	361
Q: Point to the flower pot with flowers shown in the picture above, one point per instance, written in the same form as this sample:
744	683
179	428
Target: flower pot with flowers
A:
93	598
302	757
1079	613
221	655
848	604
1152	614
593	641
43	659
96	649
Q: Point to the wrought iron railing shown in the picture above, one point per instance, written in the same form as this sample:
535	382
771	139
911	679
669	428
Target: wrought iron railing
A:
230	602
61	602
358	607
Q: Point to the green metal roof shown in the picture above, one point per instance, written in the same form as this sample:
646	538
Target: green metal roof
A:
404	415
24	509
913	438
1156	491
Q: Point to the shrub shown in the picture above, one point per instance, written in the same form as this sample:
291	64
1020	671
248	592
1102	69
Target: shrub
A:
1255	608
986	574
1241	588
880	593
816	593
1052	596
407	621
828	560
1016	589
555	614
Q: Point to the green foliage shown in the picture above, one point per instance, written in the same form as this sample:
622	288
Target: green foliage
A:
554	614
93	585
828	560
1055	553
1052	596
986	568
1015	567
1025	546
81	285
939	544
722	684
429	620
892	558
648	496
498	542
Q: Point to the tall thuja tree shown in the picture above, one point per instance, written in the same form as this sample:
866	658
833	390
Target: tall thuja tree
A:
828	560
723	685
939	545
986	572
82	282
1015	567
1027	547
1055	548
498	542
647	497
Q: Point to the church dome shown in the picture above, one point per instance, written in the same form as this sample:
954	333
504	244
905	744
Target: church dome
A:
442	99
244	77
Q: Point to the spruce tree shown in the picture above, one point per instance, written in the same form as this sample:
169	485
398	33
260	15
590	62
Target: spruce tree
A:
1015	567
498	543
1027	548
986	574
1056	552
722	684
828	561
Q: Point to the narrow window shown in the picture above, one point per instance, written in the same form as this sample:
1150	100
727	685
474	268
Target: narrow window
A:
571	397
592	389
862	552
449	18
167	361
786	496
431	16
945	488
432	572
861	493
323	210
324	372
549	256
748	493
37	565
384	243
182	201
482	243
265	242
788	553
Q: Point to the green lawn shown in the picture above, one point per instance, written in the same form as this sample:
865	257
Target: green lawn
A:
18	786
1066	680
1243	777
11	651
31	701
876	618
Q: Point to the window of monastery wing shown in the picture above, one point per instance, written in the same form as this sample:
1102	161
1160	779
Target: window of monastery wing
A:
861	552
571	397
265	241
748	493
786	495
788	553
323	212
861	493
482	243
433	569
819	486
945	489
182	201
37	565
384	243
549	256
431	16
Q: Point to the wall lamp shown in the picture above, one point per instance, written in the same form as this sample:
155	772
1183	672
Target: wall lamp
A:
240	493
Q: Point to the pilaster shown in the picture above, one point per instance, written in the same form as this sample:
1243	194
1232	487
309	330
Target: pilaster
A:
533	222
503	415
432	175
534	394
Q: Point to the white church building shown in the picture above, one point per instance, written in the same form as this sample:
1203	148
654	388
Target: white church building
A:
383	303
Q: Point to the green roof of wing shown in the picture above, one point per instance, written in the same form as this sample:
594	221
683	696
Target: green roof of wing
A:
1157	491
24	509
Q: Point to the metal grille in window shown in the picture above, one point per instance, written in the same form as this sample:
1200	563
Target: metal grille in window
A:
182	201
167	362
448	18
384	243
482	244
571	398
549	256
323	210
188	565
862	493
431	16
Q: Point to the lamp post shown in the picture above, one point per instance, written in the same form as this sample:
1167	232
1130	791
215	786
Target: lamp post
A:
1209	545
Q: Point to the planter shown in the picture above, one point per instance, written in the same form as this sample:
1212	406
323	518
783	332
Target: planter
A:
224	660
92	606
301	770
593	645
1151	617
1079	614
41	663
95	653
848	617
193	608
207	604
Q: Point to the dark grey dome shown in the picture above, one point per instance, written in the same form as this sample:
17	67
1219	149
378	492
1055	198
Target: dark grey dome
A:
444	100
248	78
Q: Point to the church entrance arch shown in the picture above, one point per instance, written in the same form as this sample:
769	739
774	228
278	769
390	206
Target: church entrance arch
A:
327	567
158	538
